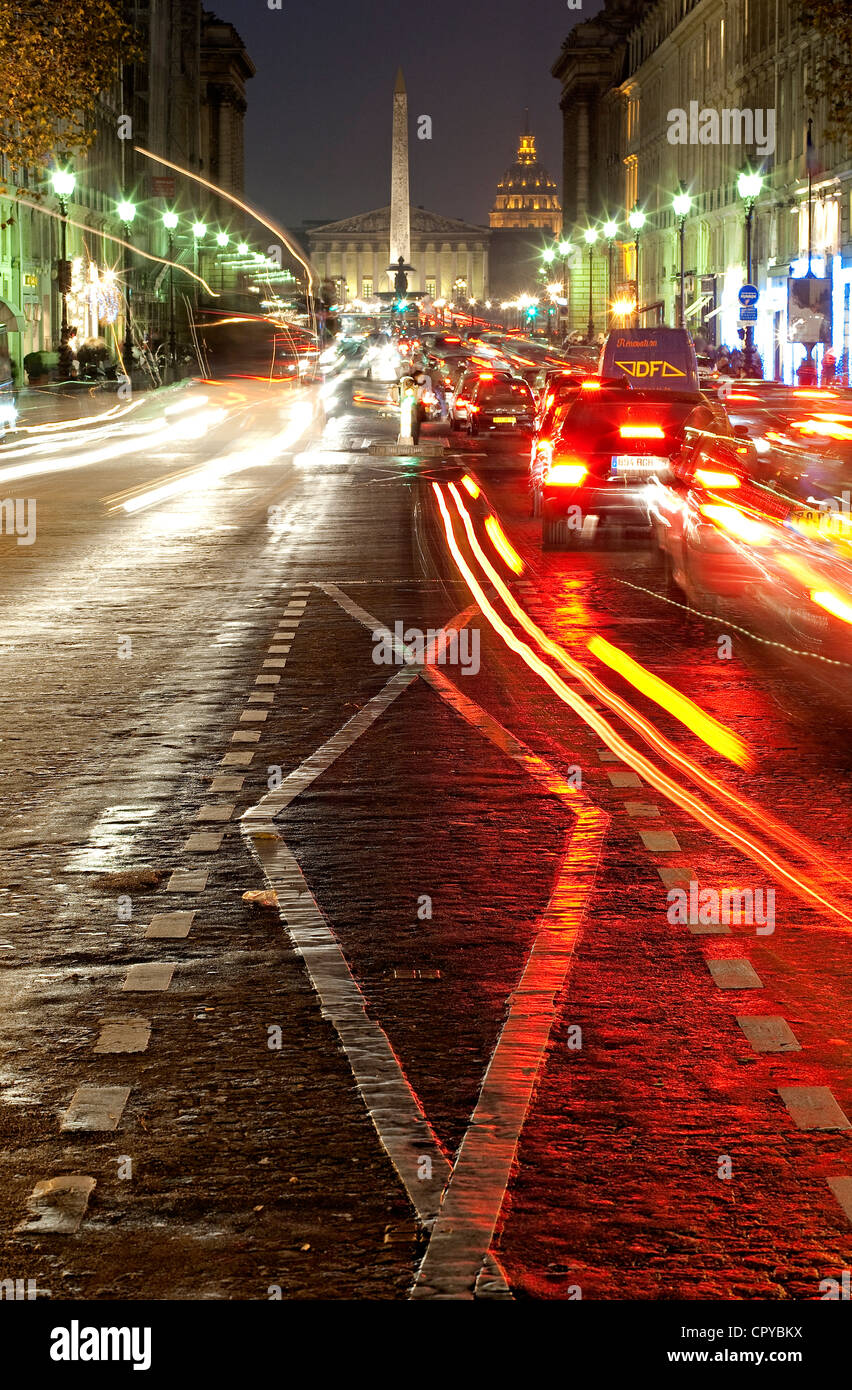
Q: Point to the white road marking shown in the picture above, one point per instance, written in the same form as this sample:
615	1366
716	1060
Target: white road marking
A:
478	1185
675	876
641	808
660	841
220	813
124	1035
624	779
734	972
267	680
58	1205
768	1033
245	736
170	926
226	784
201	843
254	716
841	1186
236	760
148	978
188	881
95	1108
813	1107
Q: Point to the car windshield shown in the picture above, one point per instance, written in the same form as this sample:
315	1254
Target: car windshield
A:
516	395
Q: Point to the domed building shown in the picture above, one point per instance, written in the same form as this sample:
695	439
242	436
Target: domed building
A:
526	194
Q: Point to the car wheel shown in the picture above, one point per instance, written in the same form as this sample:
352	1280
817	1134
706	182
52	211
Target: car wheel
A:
471	429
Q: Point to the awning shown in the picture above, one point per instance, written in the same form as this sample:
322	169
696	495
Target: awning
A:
12	318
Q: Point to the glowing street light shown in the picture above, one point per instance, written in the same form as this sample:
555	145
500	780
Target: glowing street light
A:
243	248
170	221
126	212
222	238
199	230
548	255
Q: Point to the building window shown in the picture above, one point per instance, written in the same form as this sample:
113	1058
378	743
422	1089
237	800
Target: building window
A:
431	287
367	288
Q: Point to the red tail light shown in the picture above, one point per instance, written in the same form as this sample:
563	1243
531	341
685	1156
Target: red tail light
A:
641	432
565	473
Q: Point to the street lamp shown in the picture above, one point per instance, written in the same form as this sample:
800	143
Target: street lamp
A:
749	186
222	240
610	232
590	236
64	183
681	204
126	213
170	222
637	221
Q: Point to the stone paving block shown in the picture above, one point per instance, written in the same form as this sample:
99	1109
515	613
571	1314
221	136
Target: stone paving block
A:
246	736
227	784
124	1035
813	1107
95	1108
735	973
203	844
148	978
660	841
841	1186
237	760
769	1033
220	812
623	779
57	1205
254	716
641	808
188	881
170	926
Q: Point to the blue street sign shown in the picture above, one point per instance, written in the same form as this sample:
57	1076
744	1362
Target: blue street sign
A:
748	295
748	315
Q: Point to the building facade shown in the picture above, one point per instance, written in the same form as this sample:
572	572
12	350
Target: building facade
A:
625	77
526	217
449	257
186	101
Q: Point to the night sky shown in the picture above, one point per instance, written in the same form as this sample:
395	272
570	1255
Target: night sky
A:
319	110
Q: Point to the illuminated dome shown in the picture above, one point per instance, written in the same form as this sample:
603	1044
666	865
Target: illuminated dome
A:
526	194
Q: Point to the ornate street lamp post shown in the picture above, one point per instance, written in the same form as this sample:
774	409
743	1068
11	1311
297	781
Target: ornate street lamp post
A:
64	183
637	221
610	231
681	204
749	186
126	213
170	222
590	236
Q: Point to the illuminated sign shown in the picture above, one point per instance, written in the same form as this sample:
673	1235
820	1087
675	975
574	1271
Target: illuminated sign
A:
648	369
660	357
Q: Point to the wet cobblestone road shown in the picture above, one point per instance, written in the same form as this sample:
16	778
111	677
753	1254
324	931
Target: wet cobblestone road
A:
465	931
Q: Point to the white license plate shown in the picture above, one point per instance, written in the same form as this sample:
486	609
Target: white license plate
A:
637	464
505	420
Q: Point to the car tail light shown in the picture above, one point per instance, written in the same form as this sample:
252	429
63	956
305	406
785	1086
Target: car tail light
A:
564	474
708	477
590	386
642	432
486	376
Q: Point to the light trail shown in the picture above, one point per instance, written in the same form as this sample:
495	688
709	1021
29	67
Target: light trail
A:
703	725
679	796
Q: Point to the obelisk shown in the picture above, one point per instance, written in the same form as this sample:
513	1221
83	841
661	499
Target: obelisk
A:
400	216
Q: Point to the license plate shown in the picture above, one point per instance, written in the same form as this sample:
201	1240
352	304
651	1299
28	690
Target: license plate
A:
639	464
505	420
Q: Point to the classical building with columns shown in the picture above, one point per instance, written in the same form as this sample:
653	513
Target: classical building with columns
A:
450	258
622	75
